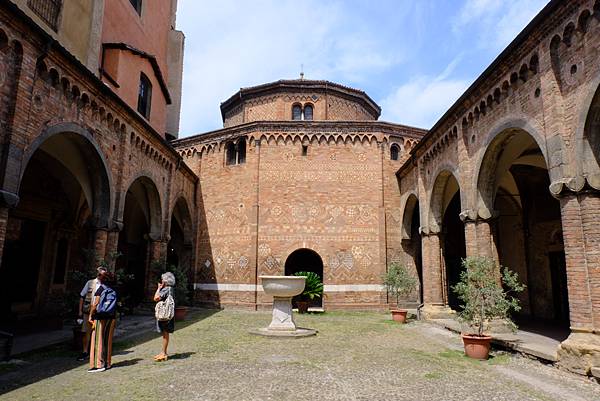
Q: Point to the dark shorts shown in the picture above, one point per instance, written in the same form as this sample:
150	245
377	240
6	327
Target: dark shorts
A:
165	325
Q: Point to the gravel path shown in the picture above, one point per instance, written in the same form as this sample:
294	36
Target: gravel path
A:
355	356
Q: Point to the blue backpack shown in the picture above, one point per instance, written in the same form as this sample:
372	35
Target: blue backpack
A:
107	307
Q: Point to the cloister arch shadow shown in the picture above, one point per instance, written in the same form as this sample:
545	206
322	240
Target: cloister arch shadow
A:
305	259
64	190
179	248
588	138
142	224
411	238
445	209
513	188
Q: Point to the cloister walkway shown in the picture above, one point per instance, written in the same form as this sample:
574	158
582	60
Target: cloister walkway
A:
356	355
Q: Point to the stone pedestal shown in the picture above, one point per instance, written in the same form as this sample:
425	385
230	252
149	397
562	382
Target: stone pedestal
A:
283	319
580	353
282	289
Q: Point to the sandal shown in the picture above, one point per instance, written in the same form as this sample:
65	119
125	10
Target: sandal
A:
160	358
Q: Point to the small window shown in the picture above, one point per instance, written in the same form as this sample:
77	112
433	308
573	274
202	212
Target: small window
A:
47	10
304	150
394	152
137	4
308	112
296	112
231	156
241	151
144	96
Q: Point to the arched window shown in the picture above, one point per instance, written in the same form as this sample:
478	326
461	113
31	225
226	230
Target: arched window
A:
296	112
308	112
144	96
231	156
394	152
241	151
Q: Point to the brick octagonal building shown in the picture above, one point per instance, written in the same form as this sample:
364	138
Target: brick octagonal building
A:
302	177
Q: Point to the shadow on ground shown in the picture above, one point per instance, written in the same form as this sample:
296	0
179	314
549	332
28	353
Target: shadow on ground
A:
38	365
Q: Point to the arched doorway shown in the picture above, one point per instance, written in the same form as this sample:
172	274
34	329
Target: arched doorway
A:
141	224
411	238
179	249
305	260
64	195
446	207
528	231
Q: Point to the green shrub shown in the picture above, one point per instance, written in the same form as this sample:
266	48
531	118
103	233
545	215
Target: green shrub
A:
398	281
483	297
313	289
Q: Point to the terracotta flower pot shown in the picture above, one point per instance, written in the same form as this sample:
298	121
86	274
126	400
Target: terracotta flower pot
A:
302	306
180	313
477	347
399	315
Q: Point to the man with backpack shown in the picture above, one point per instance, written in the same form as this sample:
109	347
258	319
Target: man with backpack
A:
85	304
103	315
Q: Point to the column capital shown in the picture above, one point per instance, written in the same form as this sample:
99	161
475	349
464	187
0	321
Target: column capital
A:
473	216
571	186
8	199
427	231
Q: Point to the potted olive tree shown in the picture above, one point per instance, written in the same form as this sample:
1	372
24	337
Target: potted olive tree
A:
313	289
399	283
485	296
182	292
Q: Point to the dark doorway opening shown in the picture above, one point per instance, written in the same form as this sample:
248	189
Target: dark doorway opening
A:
305	260
454	248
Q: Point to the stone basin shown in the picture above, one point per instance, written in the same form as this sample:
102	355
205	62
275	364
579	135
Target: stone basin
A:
283	286
282	289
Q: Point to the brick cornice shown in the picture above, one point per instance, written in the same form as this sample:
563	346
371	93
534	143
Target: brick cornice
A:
302	128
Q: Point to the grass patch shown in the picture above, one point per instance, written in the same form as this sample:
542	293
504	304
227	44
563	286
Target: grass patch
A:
433	375
499	359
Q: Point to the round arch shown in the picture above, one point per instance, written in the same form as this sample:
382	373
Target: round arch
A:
150	200
444	187
588	137
179	248
304	259
77	150
412	202
495	143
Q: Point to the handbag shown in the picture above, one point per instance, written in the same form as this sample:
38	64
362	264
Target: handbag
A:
165	310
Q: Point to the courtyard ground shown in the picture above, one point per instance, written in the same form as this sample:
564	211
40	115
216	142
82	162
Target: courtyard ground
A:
355	356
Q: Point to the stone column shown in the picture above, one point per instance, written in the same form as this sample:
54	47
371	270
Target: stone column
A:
433	286
100	239
580	352
3	223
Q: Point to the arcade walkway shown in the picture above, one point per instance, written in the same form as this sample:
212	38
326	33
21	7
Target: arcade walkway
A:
355	356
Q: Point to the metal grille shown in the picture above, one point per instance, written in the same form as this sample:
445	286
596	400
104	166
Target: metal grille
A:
47	10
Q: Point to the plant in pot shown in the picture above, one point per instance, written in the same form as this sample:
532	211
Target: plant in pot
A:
399	283
485	294
182	292
313	289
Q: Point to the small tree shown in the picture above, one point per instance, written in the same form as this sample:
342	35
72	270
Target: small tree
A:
482	295
398	281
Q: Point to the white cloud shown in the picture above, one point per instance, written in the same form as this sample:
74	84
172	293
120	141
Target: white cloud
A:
421	101
233	44
495	22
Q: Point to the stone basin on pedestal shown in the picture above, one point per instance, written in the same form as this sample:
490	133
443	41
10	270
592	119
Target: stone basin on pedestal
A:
283	288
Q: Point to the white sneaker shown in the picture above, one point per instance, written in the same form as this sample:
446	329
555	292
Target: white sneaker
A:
95	370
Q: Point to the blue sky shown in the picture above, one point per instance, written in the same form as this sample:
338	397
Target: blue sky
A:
414	58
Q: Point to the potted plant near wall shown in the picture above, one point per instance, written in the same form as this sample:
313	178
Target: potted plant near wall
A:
399	283
182	292
485	297
313	289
